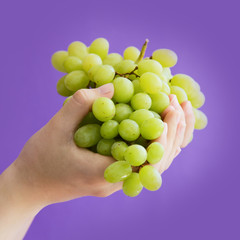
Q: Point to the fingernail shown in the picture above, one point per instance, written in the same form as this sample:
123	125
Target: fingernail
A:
104	89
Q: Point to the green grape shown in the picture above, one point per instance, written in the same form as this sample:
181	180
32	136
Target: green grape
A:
166	57
131	53
155	152
141	101
103	75
78	49
91	60
92	71
156	115
137	87
76	80
136	155
166	74
117	171
88	135
112	59
58	59
103	109
100	46
72	63
150	83
150	178
109	129
185	82
66	100
89	119
142	141
104	146
123	111
132	77
149	65
160	101
129	130
140	115
152	128
198	100
165	88
201	120
180	94
118	149
125	66
132	186
61	88
123	90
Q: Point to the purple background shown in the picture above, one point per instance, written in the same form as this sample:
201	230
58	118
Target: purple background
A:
200	195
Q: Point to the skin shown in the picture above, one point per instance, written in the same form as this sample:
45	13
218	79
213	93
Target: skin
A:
51	168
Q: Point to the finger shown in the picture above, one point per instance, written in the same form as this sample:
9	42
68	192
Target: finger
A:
174	102
177	152
79	105
190	122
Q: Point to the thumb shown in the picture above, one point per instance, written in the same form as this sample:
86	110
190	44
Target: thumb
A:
72	113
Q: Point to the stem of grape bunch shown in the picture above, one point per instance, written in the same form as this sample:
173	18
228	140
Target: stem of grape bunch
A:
143	50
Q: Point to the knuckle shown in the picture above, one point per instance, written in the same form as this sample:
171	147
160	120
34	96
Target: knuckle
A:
81	96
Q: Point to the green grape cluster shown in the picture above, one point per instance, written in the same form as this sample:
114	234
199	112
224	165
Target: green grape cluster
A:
126	126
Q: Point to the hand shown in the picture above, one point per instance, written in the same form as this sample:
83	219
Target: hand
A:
179	125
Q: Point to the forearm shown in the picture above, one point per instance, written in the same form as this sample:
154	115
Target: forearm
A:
17	208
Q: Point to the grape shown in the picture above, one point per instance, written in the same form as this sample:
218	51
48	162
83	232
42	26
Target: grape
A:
132	186
131	53
141	101
61	88
67	99
139	116
123	111
198	100
166	74
150	178
76	80
109	129
88	135
117	171
125	66
166	57
155	152
136	155
187	83
160	101
112	59
78	49
142	141
129	130
201	120
123	90
72	63
118	149
150	83
57	60
91	60
180	94
89	118
156	115
149	65
103	75
99	46
103	109
104	146
137	87
92	71
165	88
152	128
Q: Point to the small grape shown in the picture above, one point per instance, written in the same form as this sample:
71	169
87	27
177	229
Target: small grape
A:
166	57
160	101
103	109
88	135
139	116
152	128
129	130
141	101
103	75
180	94
136	155
201	120
104	146
91	60
117	171
149	65
136	85
58	59
72	63
125	66
109	129
61	88
131	53
92	71
150	178
150	83
78	49
165	88
197	100
99	46
118	149
123	111
112	59
132	185
155	152
76	80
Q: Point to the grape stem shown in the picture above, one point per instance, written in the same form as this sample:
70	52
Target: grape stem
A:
128	74
142	53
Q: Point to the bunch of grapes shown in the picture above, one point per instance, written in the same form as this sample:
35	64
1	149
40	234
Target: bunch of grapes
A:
126	126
